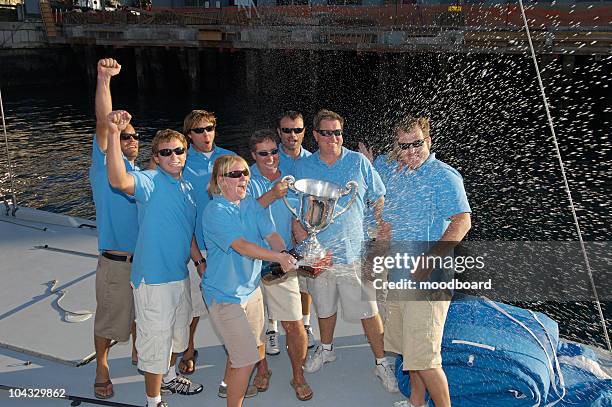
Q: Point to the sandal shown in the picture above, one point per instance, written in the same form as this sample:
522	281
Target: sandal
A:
188	366
105	386
262	382
302	387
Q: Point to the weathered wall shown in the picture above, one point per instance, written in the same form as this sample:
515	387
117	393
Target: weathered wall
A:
26	67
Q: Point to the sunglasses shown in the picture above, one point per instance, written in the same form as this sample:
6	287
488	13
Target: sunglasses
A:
289	130
237	173
329	133
267	153
167	152
200	130
127	136
414	144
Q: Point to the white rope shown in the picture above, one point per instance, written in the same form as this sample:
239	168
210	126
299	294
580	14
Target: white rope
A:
567	188
69	316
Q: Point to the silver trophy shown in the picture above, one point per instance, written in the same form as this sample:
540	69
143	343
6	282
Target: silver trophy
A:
317	202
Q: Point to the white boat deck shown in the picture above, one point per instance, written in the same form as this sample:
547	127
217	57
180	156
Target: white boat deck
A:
40	349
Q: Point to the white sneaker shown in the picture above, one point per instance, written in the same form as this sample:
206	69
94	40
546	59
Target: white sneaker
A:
272	343
318	359
386	373
310	336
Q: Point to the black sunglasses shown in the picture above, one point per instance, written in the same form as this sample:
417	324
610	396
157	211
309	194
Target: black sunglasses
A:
237	173
127	136
267	153
289	130
329	133
415	144
166	152
200	130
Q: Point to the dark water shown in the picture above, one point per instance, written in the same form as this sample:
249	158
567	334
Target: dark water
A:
488	122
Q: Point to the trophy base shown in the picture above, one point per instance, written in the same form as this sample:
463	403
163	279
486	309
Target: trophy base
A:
313	269
310	272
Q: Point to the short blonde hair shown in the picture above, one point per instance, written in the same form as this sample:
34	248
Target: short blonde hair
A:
221	166
196	116
407	124
166	135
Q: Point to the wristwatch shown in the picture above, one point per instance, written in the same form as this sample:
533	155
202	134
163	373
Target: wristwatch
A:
198	262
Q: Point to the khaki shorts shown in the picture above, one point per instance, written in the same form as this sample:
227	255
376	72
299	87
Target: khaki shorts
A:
343	281
114	298
198	308
282	298
241	327
163	315
414	329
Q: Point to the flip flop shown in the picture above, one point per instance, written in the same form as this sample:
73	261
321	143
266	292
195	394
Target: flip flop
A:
262	382
184	367
303	387
104	385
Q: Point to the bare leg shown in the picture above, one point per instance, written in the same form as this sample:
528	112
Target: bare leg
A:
306	300
437	386
262	378
134	351
373	329
417	389
327	327
189	352
297	344
153	384
227	370
237	382
102	372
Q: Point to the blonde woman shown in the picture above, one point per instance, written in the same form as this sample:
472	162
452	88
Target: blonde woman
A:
235	227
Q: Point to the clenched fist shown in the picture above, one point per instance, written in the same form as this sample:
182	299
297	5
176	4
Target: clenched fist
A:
118	120
108	67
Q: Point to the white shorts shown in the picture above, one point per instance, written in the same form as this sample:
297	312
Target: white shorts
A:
163	315
343	281
198	308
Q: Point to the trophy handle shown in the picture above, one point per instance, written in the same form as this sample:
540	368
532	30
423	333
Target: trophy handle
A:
350	186
290	184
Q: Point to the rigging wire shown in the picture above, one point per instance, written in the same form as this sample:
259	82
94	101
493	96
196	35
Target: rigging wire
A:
567	188
8	158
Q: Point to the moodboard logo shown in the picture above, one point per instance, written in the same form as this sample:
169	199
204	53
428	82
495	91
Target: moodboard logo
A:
501	271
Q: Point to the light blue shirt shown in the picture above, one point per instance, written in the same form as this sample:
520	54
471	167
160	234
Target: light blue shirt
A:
345	235
116	212
419	203
231	277
286	163
168	222
281	216
197	171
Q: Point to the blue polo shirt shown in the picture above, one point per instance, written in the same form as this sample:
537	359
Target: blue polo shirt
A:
197	171
116	212
419	203
345	235
259	185
168	221
231	277
286	163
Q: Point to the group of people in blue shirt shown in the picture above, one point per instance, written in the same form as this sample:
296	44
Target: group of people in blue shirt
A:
204	203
